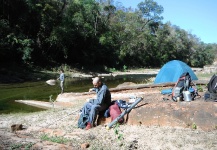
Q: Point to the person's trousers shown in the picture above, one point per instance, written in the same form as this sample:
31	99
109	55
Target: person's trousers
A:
91	110
62	86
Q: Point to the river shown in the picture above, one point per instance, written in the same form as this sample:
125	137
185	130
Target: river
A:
41	91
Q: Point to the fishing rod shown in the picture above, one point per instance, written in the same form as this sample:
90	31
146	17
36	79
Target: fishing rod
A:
62	117
139	99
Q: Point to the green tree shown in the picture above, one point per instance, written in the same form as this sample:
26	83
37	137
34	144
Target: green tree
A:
136	33
91	33
15	46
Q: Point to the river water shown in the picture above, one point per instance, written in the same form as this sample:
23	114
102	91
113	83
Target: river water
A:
41	91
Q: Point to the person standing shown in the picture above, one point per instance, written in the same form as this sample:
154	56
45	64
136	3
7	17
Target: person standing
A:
101	103
61	78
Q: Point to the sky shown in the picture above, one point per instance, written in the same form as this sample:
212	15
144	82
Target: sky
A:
199	17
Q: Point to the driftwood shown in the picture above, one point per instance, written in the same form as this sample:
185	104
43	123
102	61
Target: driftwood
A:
141	86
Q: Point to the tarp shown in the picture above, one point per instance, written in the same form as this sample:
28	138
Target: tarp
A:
172	70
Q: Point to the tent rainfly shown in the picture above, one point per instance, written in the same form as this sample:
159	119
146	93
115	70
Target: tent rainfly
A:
172	70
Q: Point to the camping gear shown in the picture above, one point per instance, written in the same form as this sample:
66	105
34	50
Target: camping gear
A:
206	95
115	111
210	97
183	89
123	104
139	99
211	94
183	84
172	70
177	92
167	91
187	96
212	85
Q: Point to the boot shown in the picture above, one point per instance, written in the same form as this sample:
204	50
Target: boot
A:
89	126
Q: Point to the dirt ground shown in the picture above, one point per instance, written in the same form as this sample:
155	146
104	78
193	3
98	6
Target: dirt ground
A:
56	129
122	137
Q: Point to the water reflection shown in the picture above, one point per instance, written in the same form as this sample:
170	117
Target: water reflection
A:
42	91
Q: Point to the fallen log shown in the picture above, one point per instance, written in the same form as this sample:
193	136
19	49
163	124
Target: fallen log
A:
141	86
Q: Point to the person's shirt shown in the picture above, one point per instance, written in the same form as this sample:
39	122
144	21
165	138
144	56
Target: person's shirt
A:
62	77
103	95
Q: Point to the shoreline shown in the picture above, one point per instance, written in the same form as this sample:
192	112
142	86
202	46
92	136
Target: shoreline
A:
46	75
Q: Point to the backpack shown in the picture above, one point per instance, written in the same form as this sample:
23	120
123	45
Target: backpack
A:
115	112
211	94
212	85
183	84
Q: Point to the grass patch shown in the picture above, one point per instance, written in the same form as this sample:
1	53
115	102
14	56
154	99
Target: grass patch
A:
55	139
21	146
117	132
204	75
194	126
200	88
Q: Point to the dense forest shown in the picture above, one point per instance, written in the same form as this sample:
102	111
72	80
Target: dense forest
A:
100	33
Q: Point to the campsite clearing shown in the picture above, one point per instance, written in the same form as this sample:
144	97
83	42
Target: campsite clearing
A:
56	128
154	125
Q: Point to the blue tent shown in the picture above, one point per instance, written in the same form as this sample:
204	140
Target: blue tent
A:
172	70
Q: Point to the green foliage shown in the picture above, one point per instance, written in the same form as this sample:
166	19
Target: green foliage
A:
16	146
90	33
199	88
117	132
194	126
55	139
21	146
125	68
150	10
112	70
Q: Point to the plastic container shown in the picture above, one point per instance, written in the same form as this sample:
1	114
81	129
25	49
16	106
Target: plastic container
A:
187	96
177	91
179	99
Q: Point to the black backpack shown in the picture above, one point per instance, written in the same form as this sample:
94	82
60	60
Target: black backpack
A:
212	85
183	84
211	94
